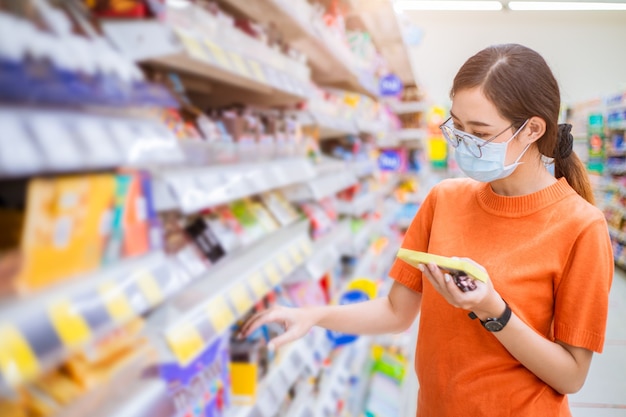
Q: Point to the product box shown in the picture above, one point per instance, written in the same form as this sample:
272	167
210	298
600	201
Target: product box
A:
280	207
205	239
203	387
253	229
65	227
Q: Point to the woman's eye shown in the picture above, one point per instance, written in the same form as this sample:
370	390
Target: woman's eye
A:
480	135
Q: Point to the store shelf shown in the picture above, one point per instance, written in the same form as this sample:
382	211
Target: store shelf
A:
39	331
325	254
202	55
328	56
321	187
37	141
363	168
405	107
141	398
194	189
195	317
411	134
358	206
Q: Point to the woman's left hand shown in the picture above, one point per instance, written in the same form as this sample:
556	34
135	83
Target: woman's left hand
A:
484	301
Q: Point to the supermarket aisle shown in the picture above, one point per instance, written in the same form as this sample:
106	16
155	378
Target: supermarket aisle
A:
604	393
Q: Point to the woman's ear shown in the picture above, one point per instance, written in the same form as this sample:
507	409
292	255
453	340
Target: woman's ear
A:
535	128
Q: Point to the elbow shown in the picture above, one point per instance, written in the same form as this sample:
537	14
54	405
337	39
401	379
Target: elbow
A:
402	326
571	386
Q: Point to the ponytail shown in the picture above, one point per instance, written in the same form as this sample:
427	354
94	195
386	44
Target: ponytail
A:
567	164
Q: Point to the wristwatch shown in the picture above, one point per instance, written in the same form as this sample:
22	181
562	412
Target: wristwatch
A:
495	324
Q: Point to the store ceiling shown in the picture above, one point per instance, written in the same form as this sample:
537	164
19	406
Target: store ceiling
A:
585	49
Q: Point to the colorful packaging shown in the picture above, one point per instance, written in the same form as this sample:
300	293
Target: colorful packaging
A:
205	239
66	225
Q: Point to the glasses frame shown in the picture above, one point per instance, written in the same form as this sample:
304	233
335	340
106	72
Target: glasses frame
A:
455	136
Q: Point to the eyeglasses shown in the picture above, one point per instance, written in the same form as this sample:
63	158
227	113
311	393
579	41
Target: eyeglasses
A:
473	143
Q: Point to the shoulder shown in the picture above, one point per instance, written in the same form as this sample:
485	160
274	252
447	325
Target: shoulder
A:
456	186
581	211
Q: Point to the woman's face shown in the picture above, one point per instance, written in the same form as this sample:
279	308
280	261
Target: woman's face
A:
473	113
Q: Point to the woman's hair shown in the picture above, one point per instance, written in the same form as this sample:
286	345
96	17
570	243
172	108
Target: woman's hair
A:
518	81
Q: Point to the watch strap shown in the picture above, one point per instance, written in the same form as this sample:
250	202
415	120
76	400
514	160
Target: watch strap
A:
501	321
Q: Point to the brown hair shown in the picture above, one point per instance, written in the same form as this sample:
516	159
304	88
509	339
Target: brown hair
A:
519	82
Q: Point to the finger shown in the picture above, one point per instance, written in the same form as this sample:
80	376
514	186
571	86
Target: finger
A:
257	321
287	337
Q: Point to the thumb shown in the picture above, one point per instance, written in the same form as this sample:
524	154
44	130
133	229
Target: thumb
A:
290	335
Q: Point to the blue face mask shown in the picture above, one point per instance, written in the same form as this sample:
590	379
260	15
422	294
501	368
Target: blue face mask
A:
491	165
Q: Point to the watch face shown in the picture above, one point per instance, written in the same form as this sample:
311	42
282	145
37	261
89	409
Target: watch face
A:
493	326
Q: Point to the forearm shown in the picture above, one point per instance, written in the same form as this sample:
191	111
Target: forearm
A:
370	317
549	361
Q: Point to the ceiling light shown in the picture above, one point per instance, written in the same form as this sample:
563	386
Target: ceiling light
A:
564	5
447	5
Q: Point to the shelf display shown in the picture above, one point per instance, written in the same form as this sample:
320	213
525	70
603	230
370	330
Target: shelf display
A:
168	169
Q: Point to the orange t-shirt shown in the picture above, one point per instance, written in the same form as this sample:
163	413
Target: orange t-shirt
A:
548	255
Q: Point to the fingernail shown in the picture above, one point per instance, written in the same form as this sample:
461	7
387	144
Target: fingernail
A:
420	267
447	277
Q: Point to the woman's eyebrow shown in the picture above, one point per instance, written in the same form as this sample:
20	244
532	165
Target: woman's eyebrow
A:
472	122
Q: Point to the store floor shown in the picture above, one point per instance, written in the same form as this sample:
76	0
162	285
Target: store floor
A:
604	393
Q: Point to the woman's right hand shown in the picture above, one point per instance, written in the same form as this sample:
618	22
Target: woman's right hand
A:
296	322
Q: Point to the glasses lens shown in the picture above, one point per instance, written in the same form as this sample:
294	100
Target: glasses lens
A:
472	146
450	136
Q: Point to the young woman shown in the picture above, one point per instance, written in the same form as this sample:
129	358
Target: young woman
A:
516	345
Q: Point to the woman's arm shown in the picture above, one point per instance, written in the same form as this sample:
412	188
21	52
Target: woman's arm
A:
391	314
562	366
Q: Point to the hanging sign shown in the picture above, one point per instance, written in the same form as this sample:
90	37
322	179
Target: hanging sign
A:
392	160
390	85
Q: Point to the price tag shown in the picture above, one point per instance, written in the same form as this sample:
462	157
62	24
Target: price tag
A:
258	285
192	46
295	255
240	297
240	65
185	341
257	71
70	326
305	247
218	53
284	263
55	139
220	314
115	301
149	287
18	362
18	155
272	273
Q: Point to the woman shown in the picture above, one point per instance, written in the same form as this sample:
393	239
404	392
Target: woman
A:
546	249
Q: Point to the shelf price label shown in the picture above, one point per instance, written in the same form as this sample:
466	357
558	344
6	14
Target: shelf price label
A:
220	314
149	287
240	297
285	264
185	341
257	71
240	65
272	274
258	285
192	46
115	302
68	323
218	53
17	360
296	256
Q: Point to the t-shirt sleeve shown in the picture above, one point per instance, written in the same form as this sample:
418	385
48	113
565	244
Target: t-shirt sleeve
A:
416	238
581	302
